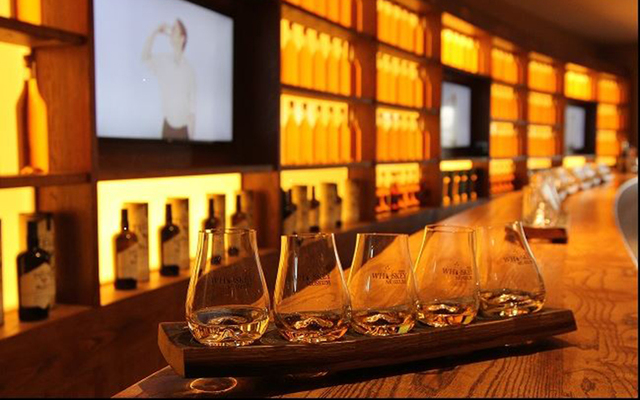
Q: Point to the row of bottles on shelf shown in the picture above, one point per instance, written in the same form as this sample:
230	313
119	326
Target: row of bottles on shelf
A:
401	27
542	108
303	212
338	11
459	186
504	103
610	117
400	81
460	51
504	140
318	132
610	91
607	143
398	187
577	85
131	244
25	10
502	174
399	135
541	141
318	61
504	66
36	267
542	76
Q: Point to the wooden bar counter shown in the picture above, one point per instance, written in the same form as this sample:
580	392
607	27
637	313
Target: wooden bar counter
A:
592	274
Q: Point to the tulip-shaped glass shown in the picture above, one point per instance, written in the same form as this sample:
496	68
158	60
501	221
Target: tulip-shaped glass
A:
446	276
381	285
510	281
311	302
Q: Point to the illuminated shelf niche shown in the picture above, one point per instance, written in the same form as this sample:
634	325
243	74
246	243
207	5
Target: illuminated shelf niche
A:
397	186
577	82
460	48
399	135
574	161
155	191
501	176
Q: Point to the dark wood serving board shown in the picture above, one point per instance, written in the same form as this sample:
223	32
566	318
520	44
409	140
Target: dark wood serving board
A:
272	355
554	234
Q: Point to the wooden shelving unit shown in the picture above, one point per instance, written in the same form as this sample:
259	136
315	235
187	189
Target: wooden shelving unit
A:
82	161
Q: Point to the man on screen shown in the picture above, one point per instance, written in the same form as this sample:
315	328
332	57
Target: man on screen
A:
177	82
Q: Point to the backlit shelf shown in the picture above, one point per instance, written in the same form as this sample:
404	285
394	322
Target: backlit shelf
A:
307	18
361	164
14	181
405	54
518	86
429	111
13	326
107	175
320	95
519	122
22	33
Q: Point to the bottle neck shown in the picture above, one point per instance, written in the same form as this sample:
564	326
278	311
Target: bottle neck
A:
168	216
32	234
238	204
124	220
211	209
313	192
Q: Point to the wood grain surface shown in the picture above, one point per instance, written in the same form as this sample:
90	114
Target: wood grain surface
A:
592	275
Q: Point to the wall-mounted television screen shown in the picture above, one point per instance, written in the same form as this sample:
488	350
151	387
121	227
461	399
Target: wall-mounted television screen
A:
164	71
455	116
575	125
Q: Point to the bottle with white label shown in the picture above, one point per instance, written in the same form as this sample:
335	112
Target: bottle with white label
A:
169	246
36	279
126	255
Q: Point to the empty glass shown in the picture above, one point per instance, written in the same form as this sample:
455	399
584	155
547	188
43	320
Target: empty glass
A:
541	203
510	281
311	302
227	301
381	285
446	276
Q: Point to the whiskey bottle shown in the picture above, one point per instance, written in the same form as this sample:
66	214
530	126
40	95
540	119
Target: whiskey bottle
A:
239	220
288	213
211	222
338	211
36	280
126	255
314	212
169	246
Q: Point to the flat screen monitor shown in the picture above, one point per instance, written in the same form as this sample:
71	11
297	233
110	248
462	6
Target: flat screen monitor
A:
163	70
455	116
575	128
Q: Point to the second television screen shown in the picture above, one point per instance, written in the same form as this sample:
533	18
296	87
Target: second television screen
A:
455	116
164	71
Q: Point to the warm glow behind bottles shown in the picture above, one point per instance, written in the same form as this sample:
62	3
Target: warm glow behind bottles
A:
399	81
610	91
504	140
573	161
542	108
400	27
504	102
460	51
314	177
29	11
317	132
501	175
539	163
504	66
13	203
456	165
607	143
607	160
12	72
610	117
577	83
338	11
399	135
542	76
402	181
541	141
155	191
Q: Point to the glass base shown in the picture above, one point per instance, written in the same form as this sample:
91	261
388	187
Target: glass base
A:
213	385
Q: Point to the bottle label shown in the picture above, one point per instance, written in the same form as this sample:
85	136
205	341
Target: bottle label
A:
314	217
37	287
127	263
171	251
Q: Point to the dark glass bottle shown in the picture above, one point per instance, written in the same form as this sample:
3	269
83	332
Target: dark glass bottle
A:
36	279
169	246
239	219
338	211
314	212
126	256
211	222
288	213
394	197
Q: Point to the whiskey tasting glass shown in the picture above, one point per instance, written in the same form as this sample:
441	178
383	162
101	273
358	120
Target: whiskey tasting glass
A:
381	285
311	302
446	276
510	281
227	301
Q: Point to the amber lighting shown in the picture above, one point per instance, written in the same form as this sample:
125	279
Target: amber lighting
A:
577	82
610	90
504	140
456	165
400	27
504	66
401	180
460	48
14	202
610	117
539	163
606	160
541	141
542	108
607	143
399	135
399	81
501	175
574	161
504	102
314	177
155	191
